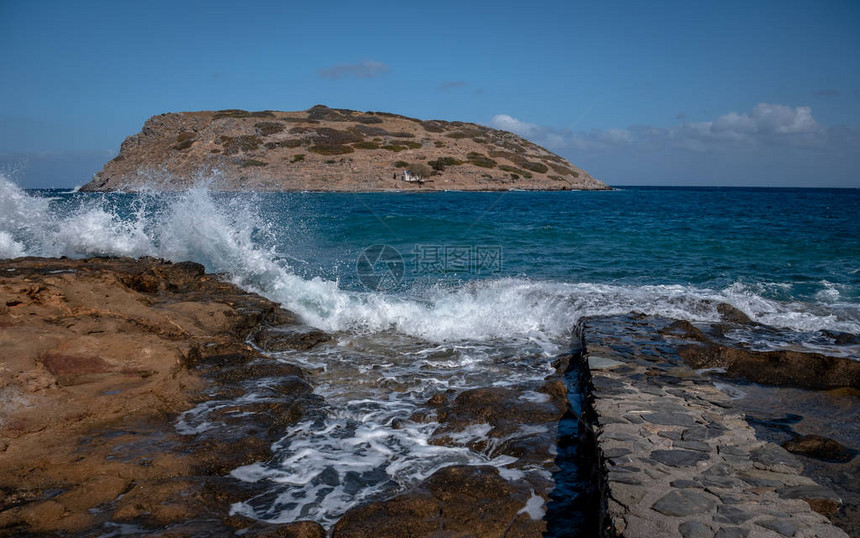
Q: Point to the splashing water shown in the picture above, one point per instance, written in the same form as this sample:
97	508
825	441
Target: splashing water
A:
394	350
228	234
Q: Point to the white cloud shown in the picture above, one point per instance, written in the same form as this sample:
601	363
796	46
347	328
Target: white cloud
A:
508	123
365	69
783	119
771	144
766	124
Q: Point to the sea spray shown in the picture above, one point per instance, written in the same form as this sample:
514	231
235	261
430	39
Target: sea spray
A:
229	234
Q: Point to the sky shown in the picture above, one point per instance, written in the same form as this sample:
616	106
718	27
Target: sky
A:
732	93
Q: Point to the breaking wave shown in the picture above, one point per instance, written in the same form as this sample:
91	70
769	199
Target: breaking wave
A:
228	234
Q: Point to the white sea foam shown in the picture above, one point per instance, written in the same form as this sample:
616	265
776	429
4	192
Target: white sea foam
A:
223	233
9	248
535	507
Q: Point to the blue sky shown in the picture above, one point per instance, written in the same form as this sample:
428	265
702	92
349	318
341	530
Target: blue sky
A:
680	93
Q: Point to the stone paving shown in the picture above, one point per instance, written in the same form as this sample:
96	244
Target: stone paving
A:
675	458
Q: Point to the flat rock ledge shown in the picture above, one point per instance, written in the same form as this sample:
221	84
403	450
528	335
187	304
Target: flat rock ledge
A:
121	398
674	456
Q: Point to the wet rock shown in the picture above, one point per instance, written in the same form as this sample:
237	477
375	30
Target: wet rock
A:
287	337
561	363
822	448
219	355
144	282
782	367
841	338
678	458
290	387
732	515
782	526
695	529
683	502
298	529
180	275
454	501
730	314
822	500
693	445
265	418
257	369
670	419
557	392
685	329
437	400
405	515
732	532
506	410
774	458
219	457
535	449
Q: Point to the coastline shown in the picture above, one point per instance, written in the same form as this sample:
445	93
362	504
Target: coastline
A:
676	456
109	360
352	190
101	357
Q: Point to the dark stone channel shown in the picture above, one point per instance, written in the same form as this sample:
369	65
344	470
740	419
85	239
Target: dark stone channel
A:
574	504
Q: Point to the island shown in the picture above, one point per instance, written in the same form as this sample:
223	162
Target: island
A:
329	149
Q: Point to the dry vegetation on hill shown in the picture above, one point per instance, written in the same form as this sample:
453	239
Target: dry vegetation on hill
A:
329	149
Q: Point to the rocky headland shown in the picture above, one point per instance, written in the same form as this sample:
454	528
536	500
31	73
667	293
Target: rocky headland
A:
328	149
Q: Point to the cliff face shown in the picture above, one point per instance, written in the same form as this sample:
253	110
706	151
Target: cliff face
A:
326	149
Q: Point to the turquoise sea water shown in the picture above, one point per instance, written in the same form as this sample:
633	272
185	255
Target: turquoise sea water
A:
792	244
450	291
787	257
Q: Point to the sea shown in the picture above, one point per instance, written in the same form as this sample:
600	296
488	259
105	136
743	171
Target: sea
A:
427	292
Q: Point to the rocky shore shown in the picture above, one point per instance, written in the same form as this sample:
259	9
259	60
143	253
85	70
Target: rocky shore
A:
131	389
100	357
676	456
328	149
123	412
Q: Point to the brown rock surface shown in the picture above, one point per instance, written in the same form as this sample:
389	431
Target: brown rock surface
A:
782	367
517	427
326	149
454	501
97	358
779	367
819	447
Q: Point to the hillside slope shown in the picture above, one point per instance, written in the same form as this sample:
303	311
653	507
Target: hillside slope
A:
326	149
